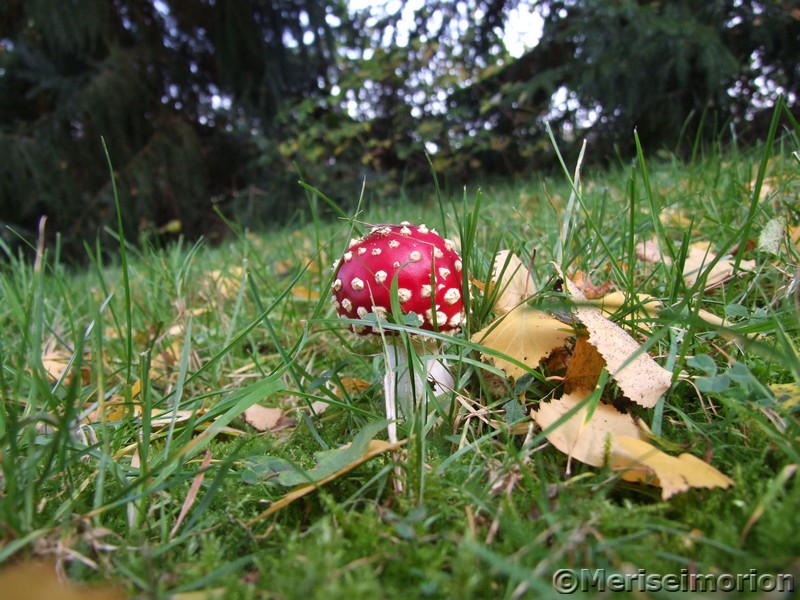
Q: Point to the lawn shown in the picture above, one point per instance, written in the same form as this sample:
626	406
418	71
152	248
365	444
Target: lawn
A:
160	408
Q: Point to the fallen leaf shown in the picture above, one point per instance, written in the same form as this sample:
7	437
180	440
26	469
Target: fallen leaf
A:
584	367
511	281
699	255
350	386
642	462
304	293
589	289
772	235
262	418
192	495
612	438
697	259
38	581
646	306
639	377
675	218
786	394
525	334
591	442
332	464
649	252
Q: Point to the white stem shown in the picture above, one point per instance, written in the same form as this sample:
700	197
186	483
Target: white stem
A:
389	387
403	391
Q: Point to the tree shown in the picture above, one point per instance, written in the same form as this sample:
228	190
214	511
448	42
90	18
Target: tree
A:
174	87
441	80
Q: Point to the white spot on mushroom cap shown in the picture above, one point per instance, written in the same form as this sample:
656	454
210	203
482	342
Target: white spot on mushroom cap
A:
336	285
357	284
457	319
452	296
376	251
415	255
441	318
426	290
380	276
348	256
422	228
393	243
362	250
449	245
362	311
444	272
396	264
404	230
355	241
458	265
437	253
347	305
404	295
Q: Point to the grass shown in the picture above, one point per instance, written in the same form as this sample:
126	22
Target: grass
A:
95	476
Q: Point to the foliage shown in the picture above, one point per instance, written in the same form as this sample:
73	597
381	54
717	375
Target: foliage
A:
174	87
440	80
224	105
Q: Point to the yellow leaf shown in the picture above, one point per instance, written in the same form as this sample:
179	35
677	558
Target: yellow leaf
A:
643	462
786	394
611	303
511	281
590	442
301	292
611	437
641	379
525	334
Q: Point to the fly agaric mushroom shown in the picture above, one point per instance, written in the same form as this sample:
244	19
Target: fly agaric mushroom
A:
428	271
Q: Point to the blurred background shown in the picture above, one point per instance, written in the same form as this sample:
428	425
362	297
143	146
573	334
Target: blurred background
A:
216	108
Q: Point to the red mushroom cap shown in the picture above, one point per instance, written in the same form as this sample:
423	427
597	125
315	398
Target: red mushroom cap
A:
428	273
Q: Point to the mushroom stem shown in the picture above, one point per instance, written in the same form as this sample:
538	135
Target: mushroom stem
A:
404	386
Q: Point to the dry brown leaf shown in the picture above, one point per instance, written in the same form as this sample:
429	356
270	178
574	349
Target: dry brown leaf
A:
641	379
643	462
591	442
38	581
350	386
192	495
589	289
584	367
512	280
262	418
525	334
